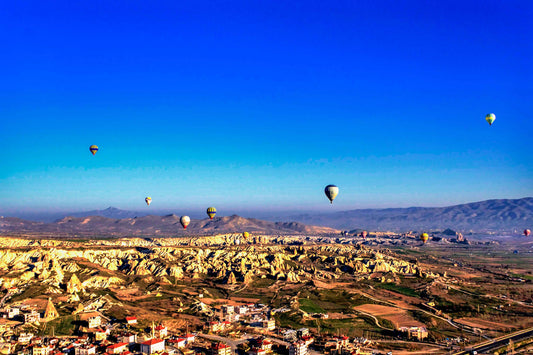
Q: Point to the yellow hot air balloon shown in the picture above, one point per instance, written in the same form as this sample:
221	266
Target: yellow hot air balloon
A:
490	118
148	200
424	237
211	212
93	148
185	220
245	235
331	192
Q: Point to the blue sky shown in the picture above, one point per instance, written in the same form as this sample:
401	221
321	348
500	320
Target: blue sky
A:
258	105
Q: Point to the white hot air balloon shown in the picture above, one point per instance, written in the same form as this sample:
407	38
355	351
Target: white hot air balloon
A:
331	192
185	220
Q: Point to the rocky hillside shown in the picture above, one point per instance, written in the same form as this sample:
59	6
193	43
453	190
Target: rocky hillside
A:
496	215
169	225
52	263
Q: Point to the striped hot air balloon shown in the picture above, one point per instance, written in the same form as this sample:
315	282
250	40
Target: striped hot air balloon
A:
93	148
211	212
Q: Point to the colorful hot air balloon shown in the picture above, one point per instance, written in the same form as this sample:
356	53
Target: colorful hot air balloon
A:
211	212
148	200
527	232
331	192
185	220
424	237
364	234
93	148
490	118
245	235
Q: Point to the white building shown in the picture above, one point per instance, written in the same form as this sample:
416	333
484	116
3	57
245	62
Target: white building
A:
94	322
298	348
85	350
152	346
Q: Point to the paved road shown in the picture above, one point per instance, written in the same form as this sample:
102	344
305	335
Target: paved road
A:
499	342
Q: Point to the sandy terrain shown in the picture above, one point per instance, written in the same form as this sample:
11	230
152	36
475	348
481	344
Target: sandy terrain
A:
398	317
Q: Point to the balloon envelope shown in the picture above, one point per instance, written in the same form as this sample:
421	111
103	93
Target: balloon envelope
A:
364	234
185	220
527	232
211	212
490	118
148	200
331	192
424	237
93	148
245	235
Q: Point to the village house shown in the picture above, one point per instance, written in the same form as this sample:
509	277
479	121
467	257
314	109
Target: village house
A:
131	320
269	324
152	346
419	333
127	338
160	331
94	321
117	348
87	349
221	349
178	343
32	317
25	338
298	348
41	350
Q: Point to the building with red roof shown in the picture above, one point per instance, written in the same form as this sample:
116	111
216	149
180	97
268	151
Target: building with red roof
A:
117	348
152	346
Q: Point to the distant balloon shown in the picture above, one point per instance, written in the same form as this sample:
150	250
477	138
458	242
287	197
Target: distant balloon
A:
490	118
93	148
424	237
364	234
185	220
211	212
331	192
245	235
148	200
527	232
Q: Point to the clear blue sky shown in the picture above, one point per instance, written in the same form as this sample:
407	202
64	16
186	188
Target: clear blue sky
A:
260	104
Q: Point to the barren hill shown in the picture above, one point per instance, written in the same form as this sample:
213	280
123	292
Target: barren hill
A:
497	215
169	225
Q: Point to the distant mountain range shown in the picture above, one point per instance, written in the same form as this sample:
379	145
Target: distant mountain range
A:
491	215
505	215
169	225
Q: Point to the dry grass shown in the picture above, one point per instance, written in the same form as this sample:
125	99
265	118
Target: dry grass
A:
399	317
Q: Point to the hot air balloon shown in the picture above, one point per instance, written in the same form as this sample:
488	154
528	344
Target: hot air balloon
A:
331	192
211	212
185	220
148	200
364	234
490	118
93	148
245	235
424	237
527	232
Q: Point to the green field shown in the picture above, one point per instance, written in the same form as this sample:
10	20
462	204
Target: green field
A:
309	306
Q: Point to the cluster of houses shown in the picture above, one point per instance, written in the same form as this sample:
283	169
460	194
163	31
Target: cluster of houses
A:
97	335
253	315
